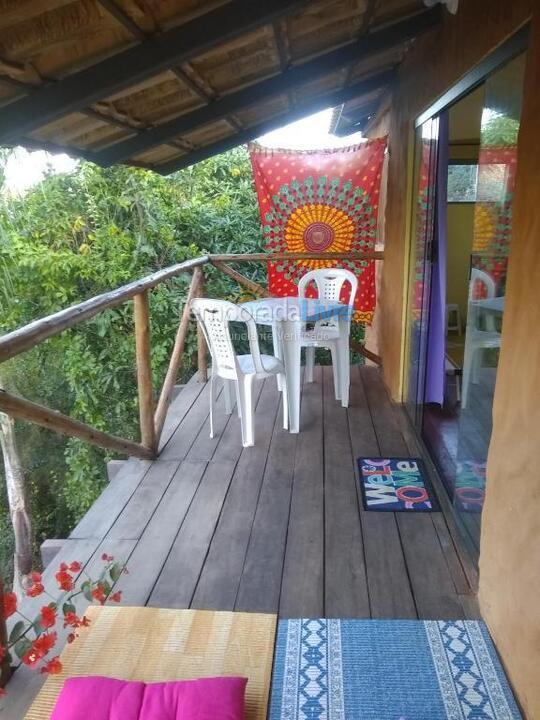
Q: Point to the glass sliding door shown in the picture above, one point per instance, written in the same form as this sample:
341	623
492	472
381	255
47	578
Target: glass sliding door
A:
492	235
422	249
460	242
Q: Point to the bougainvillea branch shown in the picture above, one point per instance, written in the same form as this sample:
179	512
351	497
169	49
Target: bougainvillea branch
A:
32	641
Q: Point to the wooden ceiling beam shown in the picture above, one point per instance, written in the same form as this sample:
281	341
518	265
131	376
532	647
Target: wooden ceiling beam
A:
137	63
123	18
294	77
321	102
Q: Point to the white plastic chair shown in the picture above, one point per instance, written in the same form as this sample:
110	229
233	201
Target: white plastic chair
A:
476	338
214	317
329	283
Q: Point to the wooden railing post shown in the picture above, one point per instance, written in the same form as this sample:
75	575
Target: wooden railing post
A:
176	356
144	370
201	342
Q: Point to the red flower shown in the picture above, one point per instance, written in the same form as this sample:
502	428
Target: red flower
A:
35	577
48	616
75	566
107	558
36	589
10	604
31	657
44	643
65	581
63	567
71	637
53	667
116	597
72	620
98	593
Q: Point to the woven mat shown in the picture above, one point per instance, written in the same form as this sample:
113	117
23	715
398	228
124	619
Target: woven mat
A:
154	645
388	670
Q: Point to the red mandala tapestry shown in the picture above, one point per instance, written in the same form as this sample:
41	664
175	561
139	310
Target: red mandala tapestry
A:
321	201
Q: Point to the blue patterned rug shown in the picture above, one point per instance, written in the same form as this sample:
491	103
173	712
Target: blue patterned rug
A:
396	485
388	670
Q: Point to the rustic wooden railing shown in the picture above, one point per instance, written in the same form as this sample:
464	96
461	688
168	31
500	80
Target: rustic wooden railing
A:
151	415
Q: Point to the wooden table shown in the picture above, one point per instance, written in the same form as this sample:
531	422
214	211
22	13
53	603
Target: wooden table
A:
287	317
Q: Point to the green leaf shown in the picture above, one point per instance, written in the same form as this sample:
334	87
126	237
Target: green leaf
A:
115	572
22	647
68	607
86	588
16	631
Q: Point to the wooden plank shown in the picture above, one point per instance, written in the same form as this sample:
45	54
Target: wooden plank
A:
176	355
346	589
302	591
110	503
220	578
178	579
451	537
131	66
187	431
23	409
433	588
158	536
432	584
179	409
390	592
134	517
141	312
28	336
260	584
227	441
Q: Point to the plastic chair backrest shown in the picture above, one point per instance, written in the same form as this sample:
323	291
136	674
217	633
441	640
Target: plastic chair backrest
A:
329	283
480	277
214	317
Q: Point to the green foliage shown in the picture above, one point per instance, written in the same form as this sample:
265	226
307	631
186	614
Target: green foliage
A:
76	235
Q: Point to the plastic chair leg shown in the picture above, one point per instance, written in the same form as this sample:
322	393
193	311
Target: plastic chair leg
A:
285	402
212	405
227	394
310	363
468	360
335	372
276	341
244	390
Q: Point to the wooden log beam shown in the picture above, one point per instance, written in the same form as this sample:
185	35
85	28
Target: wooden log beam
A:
22	409
202	363
362	350
252	286
320	102
129	67
24	338
176	356
272	257
141	311
293	77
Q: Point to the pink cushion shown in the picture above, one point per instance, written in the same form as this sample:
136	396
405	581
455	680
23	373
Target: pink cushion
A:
101	698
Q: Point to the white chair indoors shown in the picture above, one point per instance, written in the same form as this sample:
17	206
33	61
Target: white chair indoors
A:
329	283
214	317
481	333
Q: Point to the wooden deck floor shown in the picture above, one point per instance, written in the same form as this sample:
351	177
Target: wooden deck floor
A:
277	527
273	528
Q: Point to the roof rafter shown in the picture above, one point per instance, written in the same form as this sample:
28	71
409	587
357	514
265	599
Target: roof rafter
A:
335	97
291	78
137	63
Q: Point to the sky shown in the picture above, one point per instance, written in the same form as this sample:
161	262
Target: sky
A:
25	168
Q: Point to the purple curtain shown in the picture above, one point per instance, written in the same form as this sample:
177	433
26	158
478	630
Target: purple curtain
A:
435	371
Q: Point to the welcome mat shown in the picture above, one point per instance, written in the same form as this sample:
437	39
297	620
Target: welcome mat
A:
396	485
388	670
